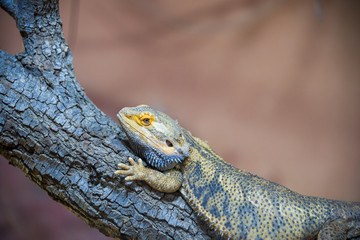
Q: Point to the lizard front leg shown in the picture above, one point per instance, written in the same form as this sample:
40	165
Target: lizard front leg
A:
169	181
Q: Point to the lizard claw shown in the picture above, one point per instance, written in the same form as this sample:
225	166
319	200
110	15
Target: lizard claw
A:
123	166
134	171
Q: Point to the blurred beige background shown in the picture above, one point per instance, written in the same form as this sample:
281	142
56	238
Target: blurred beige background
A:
273	86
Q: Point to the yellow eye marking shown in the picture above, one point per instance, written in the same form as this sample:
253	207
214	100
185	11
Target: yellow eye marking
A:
145	119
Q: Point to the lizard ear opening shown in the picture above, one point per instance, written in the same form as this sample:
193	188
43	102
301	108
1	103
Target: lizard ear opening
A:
168	143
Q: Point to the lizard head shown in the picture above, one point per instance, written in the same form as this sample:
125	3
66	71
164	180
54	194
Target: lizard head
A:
154	136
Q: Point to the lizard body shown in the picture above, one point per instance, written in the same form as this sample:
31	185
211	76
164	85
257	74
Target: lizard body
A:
235	203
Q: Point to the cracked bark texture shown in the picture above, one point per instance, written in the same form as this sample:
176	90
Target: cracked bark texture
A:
67	146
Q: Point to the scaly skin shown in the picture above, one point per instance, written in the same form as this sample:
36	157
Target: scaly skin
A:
235	203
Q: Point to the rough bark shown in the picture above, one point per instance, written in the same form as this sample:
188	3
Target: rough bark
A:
67	146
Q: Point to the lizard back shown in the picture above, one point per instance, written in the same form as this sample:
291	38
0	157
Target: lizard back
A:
241	205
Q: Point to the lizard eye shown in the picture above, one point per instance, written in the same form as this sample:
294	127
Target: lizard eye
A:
146	121
169	144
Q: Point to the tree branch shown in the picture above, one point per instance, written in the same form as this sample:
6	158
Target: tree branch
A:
67	146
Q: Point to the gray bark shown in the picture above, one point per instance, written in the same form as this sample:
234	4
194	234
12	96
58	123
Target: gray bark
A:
67	146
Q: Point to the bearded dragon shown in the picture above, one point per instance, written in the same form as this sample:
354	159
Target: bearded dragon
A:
235	203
